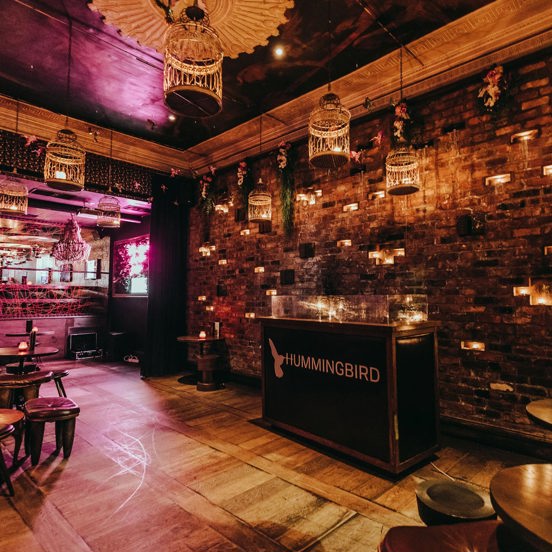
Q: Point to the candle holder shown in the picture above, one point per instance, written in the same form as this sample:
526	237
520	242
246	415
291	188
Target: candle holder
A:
23	346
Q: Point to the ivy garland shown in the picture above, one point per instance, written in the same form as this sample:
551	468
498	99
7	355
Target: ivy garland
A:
244	181
284	158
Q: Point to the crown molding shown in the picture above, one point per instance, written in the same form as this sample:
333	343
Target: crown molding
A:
45	124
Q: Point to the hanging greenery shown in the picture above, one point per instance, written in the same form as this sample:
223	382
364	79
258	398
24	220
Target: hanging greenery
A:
493	94
284	158
244	181
206	189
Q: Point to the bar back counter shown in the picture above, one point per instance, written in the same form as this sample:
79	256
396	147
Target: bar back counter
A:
368	390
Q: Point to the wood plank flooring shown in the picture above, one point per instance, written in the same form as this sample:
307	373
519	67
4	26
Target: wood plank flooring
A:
157	465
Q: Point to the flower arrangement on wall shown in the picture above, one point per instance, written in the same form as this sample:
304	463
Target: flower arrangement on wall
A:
494	90
285	159
401	123
244	182
206	191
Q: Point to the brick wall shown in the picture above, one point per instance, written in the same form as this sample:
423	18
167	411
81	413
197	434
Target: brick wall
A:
469	279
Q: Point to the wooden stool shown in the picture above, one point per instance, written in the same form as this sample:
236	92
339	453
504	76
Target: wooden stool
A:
56	376
16	389
16	418
62	411
207	364
6	431
441	502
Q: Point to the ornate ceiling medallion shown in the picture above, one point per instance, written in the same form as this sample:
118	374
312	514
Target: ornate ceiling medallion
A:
240	24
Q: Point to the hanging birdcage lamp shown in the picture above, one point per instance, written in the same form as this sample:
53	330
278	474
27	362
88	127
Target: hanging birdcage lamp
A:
65	160
71	247
402	167
14	196
109	212
329	142
259	203
402	171
193	65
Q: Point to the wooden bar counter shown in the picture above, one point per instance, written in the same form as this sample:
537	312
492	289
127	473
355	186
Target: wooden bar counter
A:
366	390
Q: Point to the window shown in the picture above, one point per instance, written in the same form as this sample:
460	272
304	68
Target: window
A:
130	266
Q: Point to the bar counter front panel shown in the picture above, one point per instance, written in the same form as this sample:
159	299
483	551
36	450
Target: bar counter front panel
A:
366	390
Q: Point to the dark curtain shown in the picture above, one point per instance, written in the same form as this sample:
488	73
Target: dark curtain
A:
172	199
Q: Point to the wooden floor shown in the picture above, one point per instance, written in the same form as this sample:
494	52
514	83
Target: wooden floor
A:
157	465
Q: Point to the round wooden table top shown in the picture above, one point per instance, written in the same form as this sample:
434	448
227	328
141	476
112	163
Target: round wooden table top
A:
541	411
27	334
197	339
522	497
36	352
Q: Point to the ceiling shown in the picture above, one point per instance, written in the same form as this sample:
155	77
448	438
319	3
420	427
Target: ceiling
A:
117	83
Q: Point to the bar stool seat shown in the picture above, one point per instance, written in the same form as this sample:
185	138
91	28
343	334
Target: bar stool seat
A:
441	502
5	431
11	416
62	411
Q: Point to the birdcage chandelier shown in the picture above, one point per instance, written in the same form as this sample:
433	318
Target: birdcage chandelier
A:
14	197
329	142
259	203
109	212
192	80
402	171
65	160
71	247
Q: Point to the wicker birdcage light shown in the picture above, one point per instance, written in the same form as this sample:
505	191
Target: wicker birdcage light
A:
64	164
71	247
329	142
109	212
259	203
14	197
193	65
402	171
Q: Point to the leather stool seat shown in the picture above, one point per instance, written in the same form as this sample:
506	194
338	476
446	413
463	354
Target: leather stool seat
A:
15	418
5	431
16	389
62	411
480	536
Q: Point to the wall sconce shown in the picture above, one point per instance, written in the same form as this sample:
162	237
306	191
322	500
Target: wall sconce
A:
245	232
222	262
547	170
221	208
525	135
380	194
205	251
249	315
472	345
259	269
271	292
344	243
548	249
498	179
386	256
522	291
202	297
209	308
350	207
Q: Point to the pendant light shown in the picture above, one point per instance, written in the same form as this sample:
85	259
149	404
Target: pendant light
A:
329	141
71	247
109	208
192	80
14	196
65	158
401	165
259	201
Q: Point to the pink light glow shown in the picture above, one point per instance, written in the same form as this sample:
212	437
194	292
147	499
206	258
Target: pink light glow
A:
137	257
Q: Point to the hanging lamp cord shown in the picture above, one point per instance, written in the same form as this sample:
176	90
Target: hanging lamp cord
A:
330	38
401	74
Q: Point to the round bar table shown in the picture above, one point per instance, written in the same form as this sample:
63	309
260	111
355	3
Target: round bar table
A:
522	497
21	356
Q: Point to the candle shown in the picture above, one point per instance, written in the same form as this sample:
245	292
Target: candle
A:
202	335
23	346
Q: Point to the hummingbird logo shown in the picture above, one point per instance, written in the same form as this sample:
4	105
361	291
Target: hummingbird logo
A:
278	360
